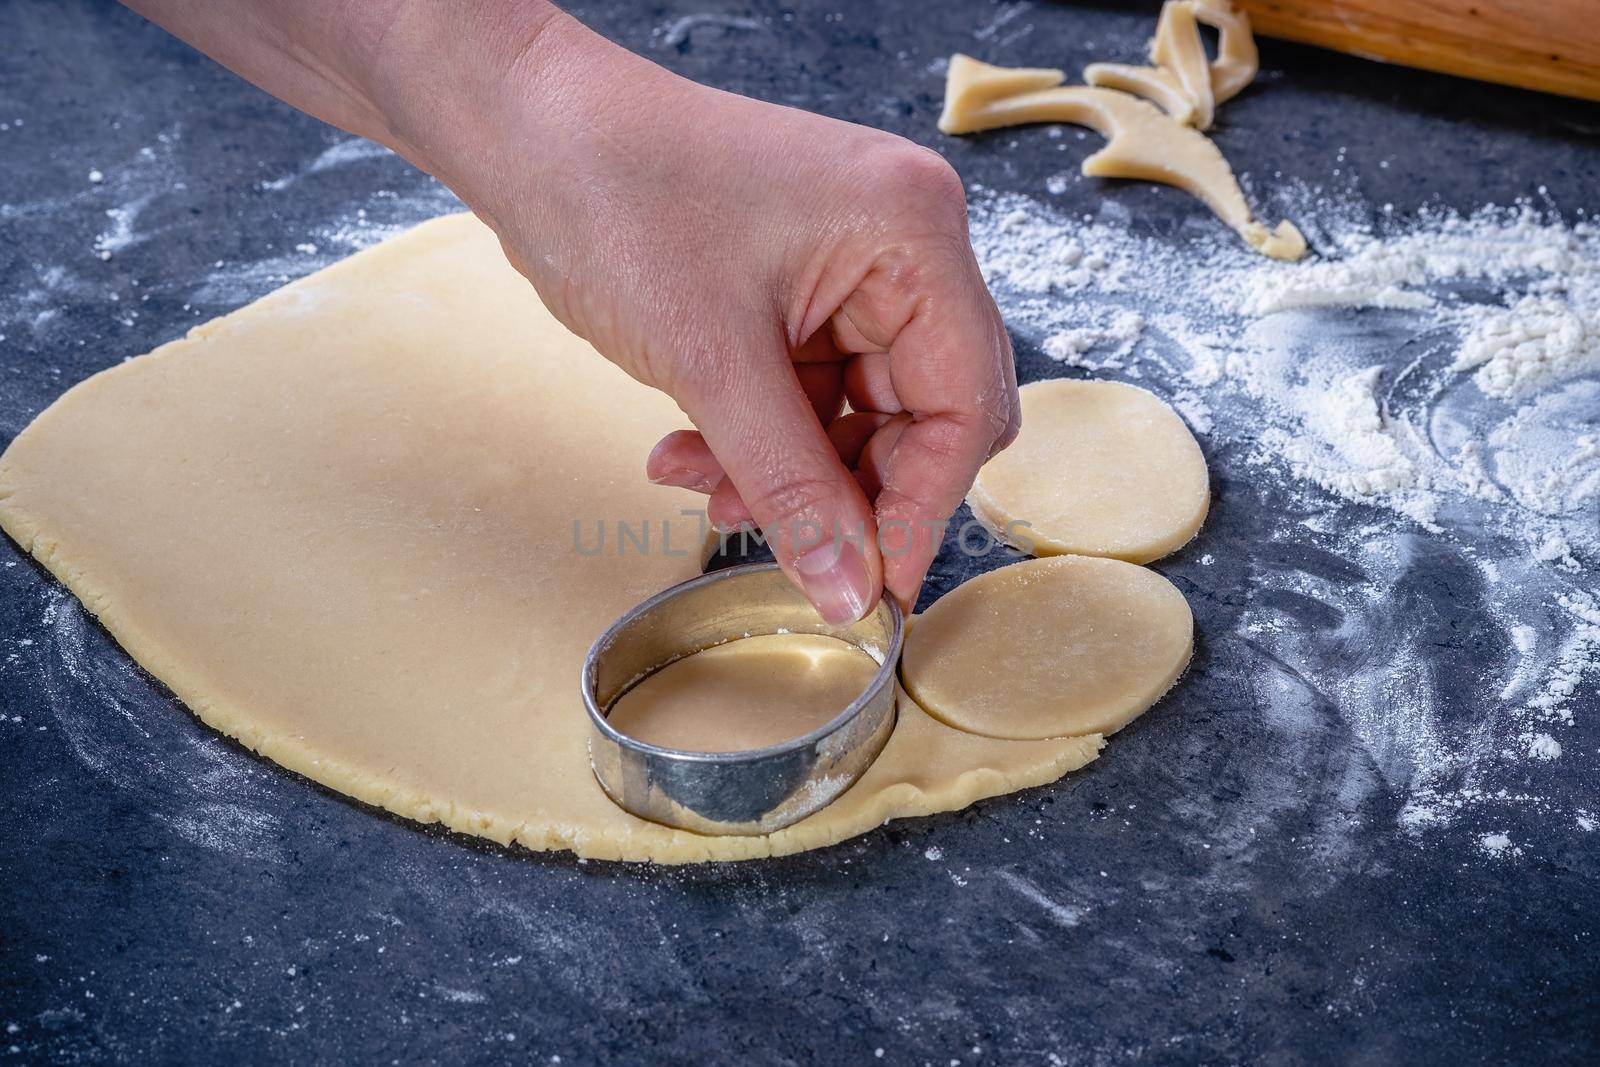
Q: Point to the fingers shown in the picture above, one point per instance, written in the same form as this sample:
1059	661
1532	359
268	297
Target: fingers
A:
869	383
852	433
760	424
682	458
872	467
921	489
824	387
951	369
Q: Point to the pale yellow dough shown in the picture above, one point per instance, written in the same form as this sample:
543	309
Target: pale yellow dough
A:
1049	648
749	693
984	84
1099	469
1181	81
1156	84
1178	49
1143	142
339	524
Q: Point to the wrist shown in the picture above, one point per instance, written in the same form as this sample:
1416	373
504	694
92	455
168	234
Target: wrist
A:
498	99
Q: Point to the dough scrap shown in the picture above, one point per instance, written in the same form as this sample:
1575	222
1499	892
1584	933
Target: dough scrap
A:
1237	58
1176	41
1156	84
1159	145
971	83
345	526
1100	469
1177	48
1049	648
1142	142
749	693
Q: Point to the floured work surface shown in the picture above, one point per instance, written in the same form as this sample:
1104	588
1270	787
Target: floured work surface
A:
339	524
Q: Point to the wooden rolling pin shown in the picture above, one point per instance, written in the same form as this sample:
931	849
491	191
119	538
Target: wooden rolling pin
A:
1549	45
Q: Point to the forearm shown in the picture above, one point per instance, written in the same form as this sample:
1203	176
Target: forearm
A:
428	78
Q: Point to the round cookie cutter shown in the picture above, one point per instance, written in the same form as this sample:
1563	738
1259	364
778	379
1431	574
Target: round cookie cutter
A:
755	791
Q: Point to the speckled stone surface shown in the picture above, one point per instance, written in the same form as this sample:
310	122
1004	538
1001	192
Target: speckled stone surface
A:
1217	888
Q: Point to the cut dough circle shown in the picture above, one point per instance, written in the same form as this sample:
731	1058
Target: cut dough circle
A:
750	693
1100	469
356	525
1049	648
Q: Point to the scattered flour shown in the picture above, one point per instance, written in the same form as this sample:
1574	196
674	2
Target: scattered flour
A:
1441	372
1119	332
1543	746
1538	340
1495	844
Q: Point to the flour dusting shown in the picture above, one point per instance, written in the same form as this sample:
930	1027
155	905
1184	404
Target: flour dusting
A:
1423	397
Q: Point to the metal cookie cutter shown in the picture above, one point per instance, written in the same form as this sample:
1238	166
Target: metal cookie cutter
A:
749	792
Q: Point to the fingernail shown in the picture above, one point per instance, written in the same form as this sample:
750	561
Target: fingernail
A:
834	577
684	478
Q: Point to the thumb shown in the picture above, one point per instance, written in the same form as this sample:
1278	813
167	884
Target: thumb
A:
763	430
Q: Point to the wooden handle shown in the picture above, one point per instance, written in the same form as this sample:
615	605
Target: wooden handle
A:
1549	45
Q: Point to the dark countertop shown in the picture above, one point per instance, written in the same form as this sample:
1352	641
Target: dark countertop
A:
1219	887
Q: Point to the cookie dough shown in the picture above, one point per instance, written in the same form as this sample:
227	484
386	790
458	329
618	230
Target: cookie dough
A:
1049	648
984	84
369	525
1177	48
1156	84
1099	469
745	694
1142	142
1181	78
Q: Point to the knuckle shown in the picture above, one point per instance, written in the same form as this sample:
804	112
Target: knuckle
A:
929	173
791	498
904	170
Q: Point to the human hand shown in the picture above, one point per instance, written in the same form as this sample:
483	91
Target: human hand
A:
764	266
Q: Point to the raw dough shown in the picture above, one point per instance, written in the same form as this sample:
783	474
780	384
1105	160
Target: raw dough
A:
1237	59
1143	141
1100	469
749	693
1049	648
1177	48
985	84
340	525
1156	84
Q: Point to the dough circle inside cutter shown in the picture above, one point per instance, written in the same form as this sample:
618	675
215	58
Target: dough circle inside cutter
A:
1054	647
1100	469
746	694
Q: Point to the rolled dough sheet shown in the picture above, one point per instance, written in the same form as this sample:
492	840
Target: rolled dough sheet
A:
749	693
1049	648
1099	469
340	525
